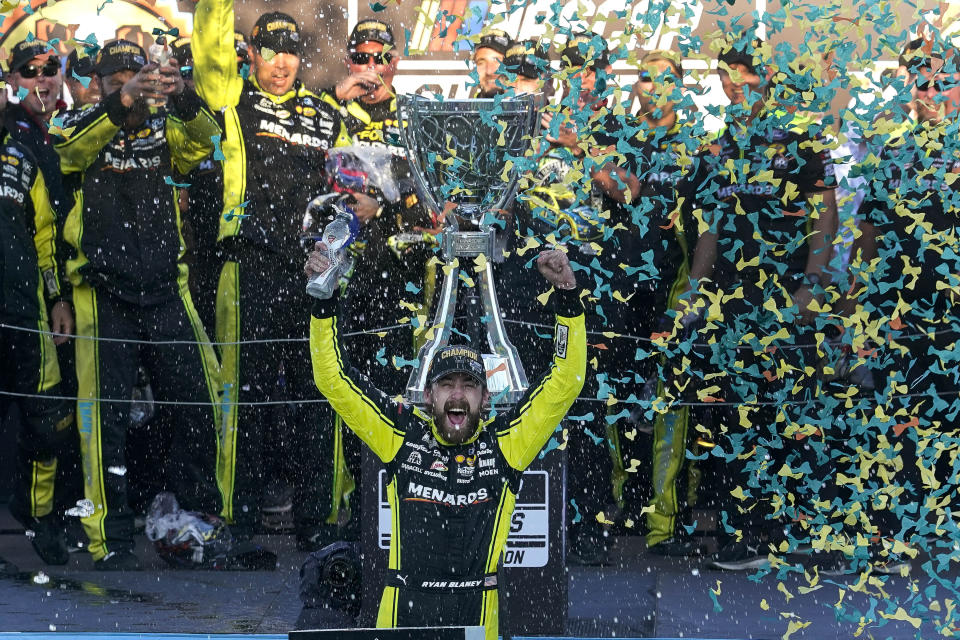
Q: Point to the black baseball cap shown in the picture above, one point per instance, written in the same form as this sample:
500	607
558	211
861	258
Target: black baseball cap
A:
585	50
80	64
457	358
747	53
371	31
495	39
120	55
24	51
278	32
528	59
183	52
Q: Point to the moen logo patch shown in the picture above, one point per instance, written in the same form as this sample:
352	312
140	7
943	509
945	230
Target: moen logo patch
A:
561	347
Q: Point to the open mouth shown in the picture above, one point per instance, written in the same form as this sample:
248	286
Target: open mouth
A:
456	417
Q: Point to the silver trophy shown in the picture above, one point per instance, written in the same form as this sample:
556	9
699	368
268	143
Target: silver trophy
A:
466	152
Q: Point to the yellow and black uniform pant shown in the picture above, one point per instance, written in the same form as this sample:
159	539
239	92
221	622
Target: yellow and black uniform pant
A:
114	338
263	314
30	370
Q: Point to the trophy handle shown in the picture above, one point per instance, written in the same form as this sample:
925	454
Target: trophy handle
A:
515	379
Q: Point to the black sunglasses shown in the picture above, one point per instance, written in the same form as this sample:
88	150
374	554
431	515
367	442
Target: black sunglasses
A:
942	85
50	69
358	57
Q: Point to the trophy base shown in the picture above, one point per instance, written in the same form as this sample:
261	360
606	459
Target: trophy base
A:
469	244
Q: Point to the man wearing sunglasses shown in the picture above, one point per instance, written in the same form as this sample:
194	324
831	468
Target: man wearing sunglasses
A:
35	77
30	284
391	249
276	134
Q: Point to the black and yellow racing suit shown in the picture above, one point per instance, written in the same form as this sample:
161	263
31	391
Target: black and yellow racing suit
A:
273	153
29	278
450	505
133	305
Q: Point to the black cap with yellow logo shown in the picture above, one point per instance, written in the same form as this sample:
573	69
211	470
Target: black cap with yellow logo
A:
25	51
458	359
585	50
120	55
278	32
495	39
371	31
528	59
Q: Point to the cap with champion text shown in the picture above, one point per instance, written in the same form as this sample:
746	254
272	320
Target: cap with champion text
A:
585	50
495	39
80	64
278	32
671	57
528	59
371	31
457	359
120	55
745	52
24	51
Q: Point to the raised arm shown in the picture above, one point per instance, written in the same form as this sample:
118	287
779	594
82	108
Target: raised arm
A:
214	54
545	404
87	131
366	410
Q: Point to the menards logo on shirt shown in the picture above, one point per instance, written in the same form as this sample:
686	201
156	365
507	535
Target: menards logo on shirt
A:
418	491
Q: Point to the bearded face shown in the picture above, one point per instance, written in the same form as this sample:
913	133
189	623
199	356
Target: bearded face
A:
456	401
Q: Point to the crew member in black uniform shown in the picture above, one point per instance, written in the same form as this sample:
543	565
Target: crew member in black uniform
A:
130	288
907	301
202	202
453	476
660	242
276	133
767	213
80	77
35	70
30	278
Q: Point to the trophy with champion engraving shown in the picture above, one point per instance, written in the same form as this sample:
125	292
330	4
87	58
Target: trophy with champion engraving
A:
465	152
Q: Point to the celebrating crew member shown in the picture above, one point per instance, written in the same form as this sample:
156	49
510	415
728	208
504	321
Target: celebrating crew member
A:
276	133
29	279
392	248
663	145
488	58
453	476
130	288
766	205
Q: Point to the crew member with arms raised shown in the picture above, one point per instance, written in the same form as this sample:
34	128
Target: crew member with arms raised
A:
276	134
453	475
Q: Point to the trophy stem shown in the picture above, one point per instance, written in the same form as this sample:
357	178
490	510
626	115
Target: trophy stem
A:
504	369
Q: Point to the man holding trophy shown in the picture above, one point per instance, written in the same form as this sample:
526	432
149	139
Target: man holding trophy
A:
453	474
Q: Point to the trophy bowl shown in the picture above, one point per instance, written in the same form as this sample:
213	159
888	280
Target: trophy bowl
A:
468	152
464	151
